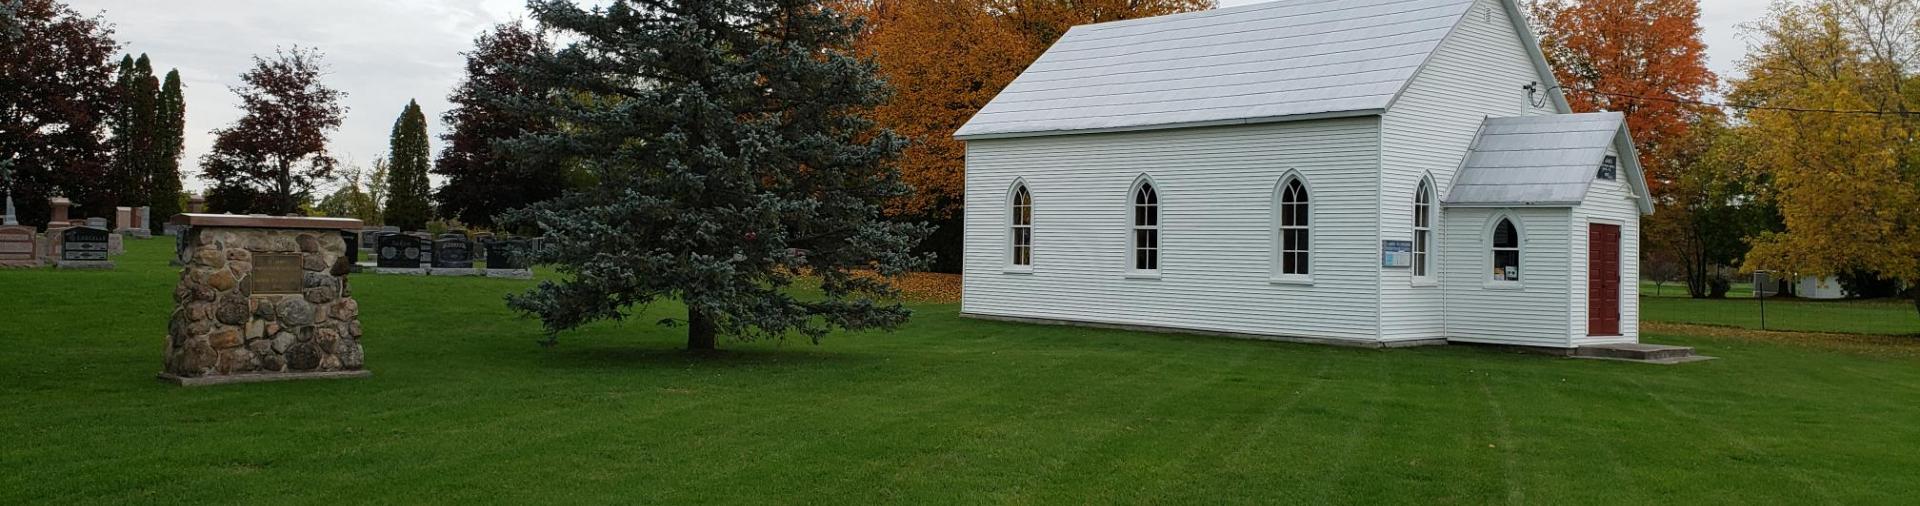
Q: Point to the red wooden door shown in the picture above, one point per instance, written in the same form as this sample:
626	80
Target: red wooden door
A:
1603	279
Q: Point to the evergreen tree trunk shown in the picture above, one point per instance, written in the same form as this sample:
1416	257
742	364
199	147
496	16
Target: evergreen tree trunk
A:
701	334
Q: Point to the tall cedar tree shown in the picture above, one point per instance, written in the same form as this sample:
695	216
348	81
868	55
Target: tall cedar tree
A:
947	59
56	93
481	182
170	139
732	156
407	203
272	157
135	126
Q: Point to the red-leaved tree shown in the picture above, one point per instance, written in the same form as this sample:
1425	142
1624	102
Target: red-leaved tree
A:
272	157
56	91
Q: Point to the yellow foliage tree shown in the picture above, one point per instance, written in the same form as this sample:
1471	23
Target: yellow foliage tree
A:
1838	82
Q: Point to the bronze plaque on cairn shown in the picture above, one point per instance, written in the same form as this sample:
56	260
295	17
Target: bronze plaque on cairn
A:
275	274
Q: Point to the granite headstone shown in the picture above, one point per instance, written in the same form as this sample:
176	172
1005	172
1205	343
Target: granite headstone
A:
84	248
508	259
399	254
18	247
453	255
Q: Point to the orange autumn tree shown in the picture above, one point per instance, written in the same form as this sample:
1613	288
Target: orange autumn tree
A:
947	58
1642	58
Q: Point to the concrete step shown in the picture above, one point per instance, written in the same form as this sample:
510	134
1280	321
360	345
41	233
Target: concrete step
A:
1640	352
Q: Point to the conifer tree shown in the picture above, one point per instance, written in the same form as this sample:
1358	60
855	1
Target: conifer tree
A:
407	206
731	153
169	142
137	143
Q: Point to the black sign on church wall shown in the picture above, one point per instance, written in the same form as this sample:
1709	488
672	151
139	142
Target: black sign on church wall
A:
1610	168
85	244
399	251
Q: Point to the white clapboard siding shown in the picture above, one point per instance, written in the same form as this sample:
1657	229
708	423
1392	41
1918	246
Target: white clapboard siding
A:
1477	72
1610	202
1216	188
1533	314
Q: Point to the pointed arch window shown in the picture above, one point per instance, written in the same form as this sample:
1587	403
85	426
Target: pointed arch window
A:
1146	227
1423	230
1506	251
1020	226
1294	231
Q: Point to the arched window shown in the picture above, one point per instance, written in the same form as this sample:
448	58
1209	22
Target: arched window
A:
1295	237
1506	251
1422	229
1020	231
1146	227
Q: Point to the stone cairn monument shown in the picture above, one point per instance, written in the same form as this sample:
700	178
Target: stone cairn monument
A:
263	298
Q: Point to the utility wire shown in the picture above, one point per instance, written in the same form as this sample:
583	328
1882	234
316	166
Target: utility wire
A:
1742	106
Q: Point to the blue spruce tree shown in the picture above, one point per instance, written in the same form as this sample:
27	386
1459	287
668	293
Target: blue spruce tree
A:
731	153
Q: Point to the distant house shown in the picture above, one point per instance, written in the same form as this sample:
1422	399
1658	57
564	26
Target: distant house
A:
1818	287
1374	172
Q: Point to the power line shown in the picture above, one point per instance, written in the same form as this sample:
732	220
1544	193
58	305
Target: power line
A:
1742	106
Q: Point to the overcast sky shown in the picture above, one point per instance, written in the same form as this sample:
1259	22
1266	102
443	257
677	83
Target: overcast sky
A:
385	52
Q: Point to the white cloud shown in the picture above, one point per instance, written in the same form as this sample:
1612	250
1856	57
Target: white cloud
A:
383	52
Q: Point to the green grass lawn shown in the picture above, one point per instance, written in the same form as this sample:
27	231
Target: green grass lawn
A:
464	407
1679	290
1878	316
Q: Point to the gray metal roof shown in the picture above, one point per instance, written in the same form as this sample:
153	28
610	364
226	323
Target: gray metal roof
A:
1541	160
1282	59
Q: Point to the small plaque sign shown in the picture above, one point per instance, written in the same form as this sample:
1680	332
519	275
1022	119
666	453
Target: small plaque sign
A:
275	273
1396	253
84	244
1610	168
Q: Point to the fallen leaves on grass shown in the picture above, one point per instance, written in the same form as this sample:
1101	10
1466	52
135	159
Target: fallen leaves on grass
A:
929	287
1883	346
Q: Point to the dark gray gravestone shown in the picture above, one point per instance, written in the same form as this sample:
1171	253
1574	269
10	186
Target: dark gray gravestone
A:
179	246
426	247
84	248
352	239
452	251
399	251
480	243
508	259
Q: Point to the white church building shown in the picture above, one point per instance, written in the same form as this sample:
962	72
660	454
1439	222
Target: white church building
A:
1370	172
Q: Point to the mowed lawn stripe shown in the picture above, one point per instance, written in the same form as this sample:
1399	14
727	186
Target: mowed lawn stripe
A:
465	407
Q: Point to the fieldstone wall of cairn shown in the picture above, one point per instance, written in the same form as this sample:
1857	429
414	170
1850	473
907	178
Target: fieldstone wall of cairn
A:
219	328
